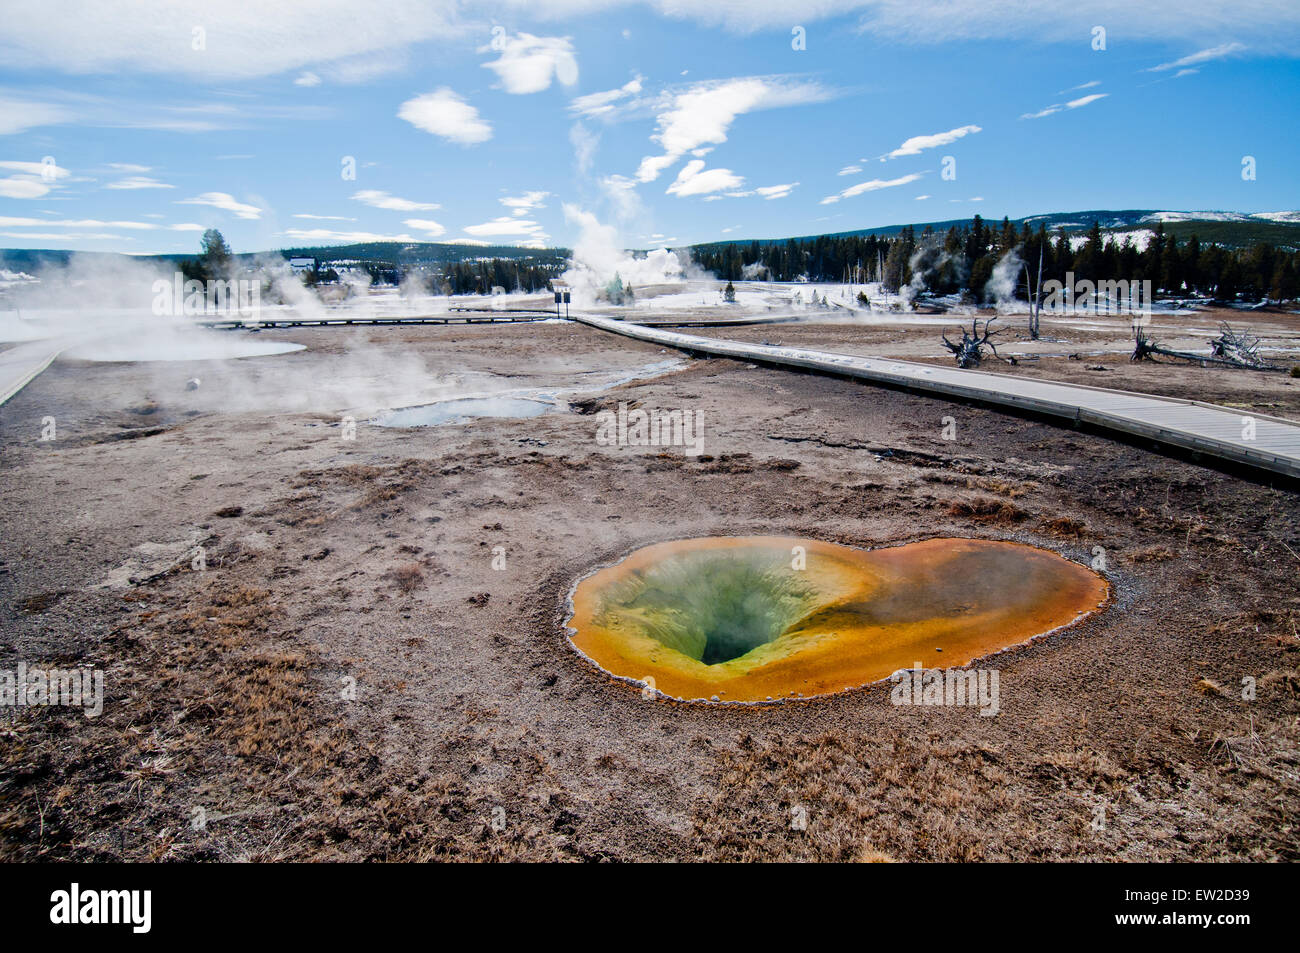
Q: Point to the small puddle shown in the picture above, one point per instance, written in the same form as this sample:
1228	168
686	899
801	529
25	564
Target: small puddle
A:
462	409
737	618
516	403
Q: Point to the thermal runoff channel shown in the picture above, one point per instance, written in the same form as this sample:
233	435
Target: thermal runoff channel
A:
765	618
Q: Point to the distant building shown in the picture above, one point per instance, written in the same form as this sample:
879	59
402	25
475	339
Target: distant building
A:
302	264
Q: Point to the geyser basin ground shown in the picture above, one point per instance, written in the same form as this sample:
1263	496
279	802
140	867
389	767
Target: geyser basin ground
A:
738	618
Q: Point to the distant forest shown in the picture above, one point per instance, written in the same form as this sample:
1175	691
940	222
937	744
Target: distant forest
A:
468	277
962	260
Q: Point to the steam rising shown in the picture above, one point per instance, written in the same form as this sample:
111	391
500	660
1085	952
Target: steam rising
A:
1001	285
102	308
599	255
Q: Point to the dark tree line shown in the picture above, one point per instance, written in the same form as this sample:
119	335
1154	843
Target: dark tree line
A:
963	259
471	277
479	277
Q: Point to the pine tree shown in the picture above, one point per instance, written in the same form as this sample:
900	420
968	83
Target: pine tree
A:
214	259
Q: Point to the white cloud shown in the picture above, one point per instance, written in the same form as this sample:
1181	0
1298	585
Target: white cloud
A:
30	180
324	218
694	180
240	41
44	169
584	143
134	182
528	63
11	222
938	21
444	113
1204	56
703	114
917	144
19	115
850	170
601	104
225	202
1072	104
525	202
275	36
922	198
507	227
376	198
1085	100
652	166
776	191
871	186
426	225
325	235
307	79
67	236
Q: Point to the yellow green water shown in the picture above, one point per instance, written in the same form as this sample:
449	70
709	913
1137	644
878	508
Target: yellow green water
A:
758	617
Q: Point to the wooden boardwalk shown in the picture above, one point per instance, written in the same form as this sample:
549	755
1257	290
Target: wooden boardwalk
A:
466	316
1255	440
20	364
456	316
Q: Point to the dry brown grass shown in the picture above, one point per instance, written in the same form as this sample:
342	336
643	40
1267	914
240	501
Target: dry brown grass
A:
1151	554
987	510
212	709
407	578
863	800
1066	527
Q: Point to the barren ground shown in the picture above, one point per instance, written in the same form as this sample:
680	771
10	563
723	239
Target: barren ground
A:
371	559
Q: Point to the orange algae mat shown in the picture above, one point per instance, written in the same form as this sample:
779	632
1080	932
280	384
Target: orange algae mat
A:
769	617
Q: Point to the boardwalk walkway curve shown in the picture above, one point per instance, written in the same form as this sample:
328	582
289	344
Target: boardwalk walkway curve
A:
1255	440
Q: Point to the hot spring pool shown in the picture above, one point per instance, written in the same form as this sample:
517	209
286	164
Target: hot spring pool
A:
462	409
767	617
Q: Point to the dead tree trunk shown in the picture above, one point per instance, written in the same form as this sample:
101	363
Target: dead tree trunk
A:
969	350
1034	296
1229	349
1238	348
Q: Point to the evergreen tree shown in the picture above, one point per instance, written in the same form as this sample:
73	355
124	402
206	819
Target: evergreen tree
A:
1171	267
215	256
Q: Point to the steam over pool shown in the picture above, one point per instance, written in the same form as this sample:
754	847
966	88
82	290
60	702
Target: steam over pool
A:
177	346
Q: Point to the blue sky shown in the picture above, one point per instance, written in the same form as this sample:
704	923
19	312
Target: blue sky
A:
131	126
